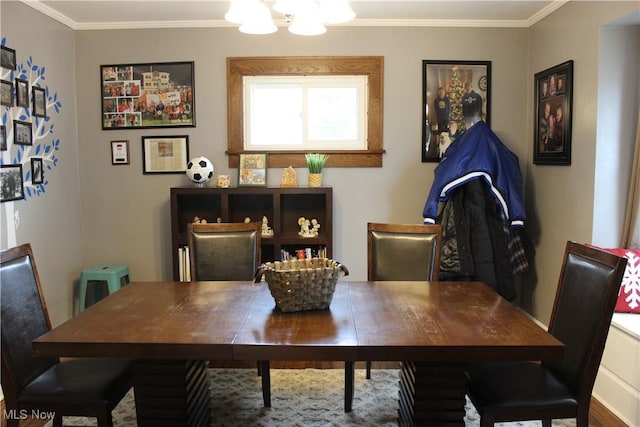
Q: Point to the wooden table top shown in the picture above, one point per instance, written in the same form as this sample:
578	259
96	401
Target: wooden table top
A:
419	321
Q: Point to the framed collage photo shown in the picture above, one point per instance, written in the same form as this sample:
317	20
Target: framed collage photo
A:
553	111
165	154
153	95
252	170
455	95
11	185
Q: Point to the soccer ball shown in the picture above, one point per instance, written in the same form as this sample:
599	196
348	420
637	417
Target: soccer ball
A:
199	170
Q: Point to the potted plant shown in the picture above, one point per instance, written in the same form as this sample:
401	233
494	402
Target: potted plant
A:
315	163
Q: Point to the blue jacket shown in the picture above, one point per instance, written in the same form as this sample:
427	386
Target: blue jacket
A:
479	153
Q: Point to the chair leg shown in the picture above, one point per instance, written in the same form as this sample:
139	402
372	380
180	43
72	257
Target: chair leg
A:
265	370
57	420
368	375
349	379
104	418
546	422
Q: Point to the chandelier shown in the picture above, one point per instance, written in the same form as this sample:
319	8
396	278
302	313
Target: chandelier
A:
303	17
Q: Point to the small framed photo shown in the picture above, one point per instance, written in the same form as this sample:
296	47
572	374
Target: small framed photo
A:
6	93
11	185
165	154
456	95
22	93
553	115
39	101
22	133
8	58
3	138
120	152
252	170
37	170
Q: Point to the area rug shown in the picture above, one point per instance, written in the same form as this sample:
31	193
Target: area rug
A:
299	398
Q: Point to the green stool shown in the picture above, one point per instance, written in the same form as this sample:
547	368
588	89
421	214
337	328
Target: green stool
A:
116	275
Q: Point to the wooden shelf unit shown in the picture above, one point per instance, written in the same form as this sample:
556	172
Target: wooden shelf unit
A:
281	205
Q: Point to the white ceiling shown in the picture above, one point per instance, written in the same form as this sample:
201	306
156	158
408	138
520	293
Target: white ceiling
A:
117	14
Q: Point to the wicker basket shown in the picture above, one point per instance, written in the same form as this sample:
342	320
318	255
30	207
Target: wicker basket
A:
300	285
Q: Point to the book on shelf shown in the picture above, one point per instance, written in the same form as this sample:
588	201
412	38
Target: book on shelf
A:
184	264
303	253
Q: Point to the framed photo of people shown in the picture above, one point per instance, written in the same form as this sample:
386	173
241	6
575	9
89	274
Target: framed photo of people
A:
153	95
455	95
11	184
552	115
165	154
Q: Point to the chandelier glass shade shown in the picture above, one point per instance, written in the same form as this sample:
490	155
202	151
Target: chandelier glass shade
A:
303	17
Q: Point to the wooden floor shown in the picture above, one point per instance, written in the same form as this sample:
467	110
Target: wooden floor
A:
599	415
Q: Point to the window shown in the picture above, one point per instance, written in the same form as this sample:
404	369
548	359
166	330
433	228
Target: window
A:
305	113
289	106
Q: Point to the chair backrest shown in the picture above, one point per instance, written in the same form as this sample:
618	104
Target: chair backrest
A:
582	311
403	251
224	251
24	317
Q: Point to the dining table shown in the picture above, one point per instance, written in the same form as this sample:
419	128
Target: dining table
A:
171	330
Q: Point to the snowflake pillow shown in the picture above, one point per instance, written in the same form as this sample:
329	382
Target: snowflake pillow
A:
629	294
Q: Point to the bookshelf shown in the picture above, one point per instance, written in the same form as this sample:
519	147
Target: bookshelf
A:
282	206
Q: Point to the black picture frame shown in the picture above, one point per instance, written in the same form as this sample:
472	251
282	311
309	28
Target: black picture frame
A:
6	93
37	170
452	77
165	154
22	133
252	170
11	183
39	101
22	93
7	58
3	138
553	115
167	99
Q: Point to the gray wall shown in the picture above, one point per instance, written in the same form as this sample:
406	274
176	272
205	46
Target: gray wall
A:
95	212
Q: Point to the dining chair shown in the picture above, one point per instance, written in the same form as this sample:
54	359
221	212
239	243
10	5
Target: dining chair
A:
584	303
90	387
228	251
402	252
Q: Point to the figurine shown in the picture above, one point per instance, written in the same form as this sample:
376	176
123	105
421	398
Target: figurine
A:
266	230
289	178
308	228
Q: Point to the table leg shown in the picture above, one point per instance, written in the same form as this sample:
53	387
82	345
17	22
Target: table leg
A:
172	393
432	394
264	366
349	379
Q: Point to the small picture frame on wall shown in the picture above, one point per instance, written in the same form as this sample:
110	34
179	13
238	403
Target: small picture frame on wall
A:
39	101
6	93
37	170
11	184
455	94
8	58
22	133
120	152
3	138
165	154
553	115
22	93
252	170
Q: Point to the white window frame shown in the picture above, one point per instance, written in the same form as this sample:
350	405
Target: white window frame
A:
293	127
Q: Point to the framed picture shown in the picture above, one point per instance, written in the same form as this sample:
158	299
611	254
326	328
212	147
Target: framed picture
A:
148	95
22	93
455	95
165	154
252	171
7	58
553	110
22	133
3	138
39	101
120	152
6	93
37	170
11	185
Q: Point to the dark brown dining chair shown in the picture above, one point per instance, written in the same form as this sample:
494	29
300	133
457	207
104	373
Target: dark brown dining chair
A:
76	387
228	251
403	252
582	311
